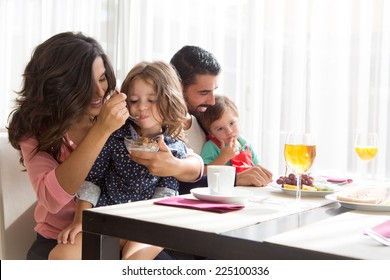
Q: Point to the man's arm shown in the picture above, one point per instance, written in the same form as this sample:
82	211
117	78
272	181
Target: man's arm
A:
163	163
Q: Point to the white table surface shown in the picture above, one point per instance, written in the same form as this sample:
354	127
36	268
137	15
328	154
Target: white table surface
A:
254	212
341	235
337	234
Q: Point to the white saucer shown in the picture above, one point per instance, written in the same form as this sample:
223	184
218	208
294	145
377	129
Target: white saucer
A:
237	197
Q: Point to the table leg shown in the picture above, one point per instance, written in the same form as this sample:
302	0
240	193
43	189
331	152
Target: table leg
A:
100	247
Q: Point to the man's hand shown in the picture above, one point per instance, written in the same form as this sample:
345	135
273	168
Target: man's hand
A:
161	163
255	176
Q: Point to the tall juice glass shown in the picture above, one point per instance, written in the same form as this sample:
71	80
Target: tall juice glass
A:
366	148
299	154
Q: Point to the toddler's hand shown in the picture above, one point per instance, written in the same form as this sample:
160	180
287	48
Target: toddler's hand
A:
229	150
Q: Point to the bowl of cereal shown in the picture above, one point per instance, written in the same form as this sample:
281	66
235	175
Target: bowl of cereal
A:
142	144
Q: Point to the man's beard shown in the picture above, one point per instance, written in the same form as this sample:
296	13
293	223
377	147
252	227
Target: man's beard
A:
194	110
196	113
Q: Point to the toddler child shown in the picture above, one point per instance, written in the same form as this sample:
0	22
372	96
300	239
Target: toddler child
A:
225	145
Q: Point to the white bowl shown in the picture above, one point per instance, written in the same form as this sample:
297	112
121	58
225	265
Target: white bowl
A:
142	144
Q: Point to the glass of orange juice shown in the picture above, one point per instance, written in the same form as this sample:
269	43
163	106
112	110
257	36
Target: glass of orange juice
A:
366	147
299	154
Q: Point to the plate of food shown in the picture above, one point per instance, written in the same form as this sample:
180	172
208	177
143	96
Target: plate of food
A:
236	197
288	185
312	191
363	198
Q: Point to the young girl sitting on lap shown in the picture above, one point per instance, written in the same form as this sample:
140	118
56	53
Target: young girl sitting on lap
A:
158	109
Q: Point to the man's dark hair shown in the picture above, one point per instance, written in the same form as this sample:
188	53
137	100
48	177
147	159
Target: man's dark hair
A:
190	61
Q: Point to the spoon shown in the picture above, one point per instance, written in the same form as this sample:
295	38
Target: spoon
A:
115	91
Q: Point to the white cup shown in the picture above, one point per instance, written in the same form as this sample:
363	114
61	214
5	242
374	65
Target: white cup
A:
220	179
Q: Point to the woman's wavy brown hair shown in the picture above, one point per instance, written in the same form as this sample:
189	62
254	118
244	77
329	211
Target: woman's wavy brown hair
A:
164	79
57	89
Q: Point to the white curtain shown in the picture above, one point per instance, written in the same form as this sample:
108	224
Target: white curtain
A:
313	65
27	23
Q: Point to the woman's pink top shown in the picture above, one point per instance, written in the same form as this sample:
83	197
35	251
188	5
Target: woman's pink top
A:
55	209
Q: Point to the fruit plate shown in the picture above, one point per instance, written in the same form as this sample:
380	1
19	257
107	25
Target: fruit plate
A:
304	193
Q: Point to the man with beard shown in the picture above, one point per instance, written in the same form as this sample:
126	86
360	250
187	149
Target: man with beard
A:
198	70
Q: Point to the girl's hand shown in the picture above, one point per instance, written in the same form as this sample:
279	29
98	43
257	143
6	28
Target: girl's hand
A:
69	233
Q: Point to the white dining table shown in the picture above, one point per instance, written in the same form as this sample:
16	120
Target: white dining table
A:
341	235
261	230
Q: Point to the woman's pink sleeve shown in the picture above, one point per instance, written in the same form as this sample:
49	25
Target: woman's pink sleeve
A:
41	171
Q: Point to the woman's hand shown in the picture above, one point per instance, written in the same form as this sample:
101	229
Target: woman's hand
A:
114	113
254	176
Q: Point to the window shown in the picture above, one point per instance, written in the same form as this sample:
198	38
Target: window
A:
320	66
